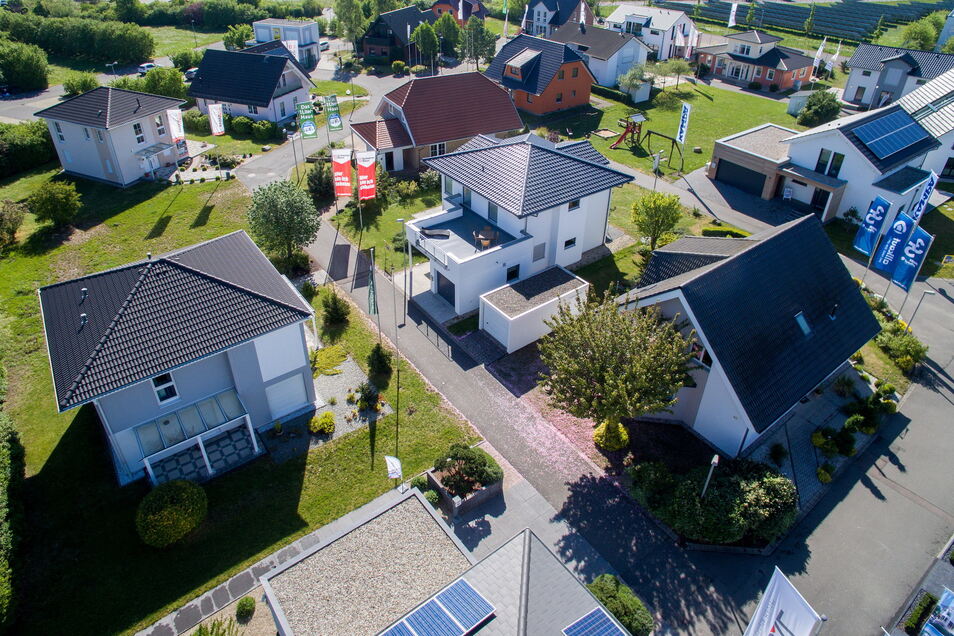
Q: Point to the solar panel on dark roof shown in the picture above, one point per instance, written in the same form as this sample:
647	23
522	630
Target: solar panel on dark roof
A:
431	619
596	623
890	134
465	604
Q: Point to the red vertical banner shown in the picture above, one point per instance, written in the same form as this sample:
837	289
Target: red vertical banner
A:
366	181
341	165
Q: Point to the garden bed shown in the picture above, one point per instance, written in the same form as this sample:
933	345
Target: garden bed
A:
454	506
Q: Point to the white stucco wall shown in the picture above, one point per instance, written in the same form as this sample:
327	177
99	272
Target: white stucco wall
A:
720	419
607	72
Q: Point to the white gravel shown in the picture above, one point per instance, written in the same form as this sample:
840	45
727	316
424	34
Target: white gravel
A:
370	577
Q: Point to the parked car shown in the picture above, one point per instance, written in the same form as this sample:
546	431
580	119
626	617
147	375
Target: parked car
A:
324	45
145	68
190	74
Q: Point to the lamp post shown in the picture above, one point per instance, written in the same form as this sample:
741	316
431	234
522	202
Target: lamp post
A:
712	465
294	152
112	67
407	271
195	40
918	306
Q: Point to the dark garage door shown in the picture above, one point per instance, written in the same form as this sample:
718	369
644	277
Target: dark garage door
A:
741	177
445	288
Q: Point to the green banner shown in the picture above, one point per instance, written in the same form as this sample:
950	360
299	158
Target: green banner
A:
334	115
306	120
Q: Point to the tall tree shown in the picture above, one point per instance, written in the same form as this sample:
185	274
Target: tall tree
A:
283	218
809	25
919	35
606	364
750	14
351	18
656	213
164	80
678	67
425	39
236	36
448	32
477	42
632	79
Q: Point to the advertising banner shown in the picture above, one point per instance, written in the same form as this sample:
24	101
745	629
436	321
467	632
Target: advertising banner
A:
870	231
215	119
941	621
174	115
911	258
894	240
366	182
683	123
292	46
783	610
334	115
735	8
341	167
306	120
921	205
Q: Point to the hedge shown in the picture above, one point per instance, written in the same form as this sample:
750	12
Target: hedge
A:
81	37
622	603
24	146
725	231
920	613
23	66
219	12
612	93
170	511
11	476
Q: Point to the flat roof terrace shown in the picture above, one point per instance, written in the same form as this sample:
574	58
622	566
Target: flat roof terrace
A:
465	234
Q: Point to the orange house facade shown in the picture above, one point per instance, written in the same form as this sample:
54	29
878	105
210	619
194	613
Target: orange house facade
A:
569	88
472	8
756	57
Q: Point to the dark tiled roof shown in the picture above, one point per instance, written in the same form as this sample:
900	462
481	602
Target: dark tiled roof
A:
383	134
600	43
904	180
745	305
399	19
779	57
526	174
926	64
151	316
891	161
537	76
238	77
687	254
562	10
108	107
534	291
584	150
755	37
276	47
449	107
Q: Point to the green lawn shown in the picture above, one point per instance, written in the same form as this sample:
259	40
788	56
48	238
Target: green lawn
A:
235	144
892	36
88	572
496	25
60	68
170	39
877	363
619	271
20	186
331	87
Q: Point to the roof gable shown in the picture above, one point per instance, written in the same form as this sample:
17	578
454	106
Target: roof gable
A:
238	77
599	43
277	47
400	19
108	107
540	73
925	64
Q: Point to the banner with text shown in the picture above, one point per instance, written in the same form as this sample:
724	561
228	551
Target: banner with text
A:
732	13
341	165
306	120
366	183
174	115
894	239
783	610
921	205
215	119
292	46
334	115
911	259
683	123
871	225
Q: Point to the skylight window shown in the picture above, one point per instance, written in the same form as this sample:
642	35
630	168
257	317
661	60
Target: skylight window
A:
803	323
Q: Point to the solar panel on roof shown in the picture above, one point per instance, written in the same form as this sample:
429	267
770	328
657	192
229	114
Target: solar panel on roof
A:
430	619
465	604
400	629
890	134
596	623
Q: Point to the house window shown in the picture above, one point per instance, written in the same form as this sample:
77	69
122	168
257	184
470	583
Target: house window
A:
253	110
866	73
438	149
492	212
803	323
829	162
140	136
59	131
744	49
758	71
572	93
281	108
466	196
575	204
529	98
560	75
653	32
165	388
835	167
276	33
920	82
513	70
801	73
559	98
948	170
567	244
160	125
86	133
539	252
575	72
513	273
448	185
770	74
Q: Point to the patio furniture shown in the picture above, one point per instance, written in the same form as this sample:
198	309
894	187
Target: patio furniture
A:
435	233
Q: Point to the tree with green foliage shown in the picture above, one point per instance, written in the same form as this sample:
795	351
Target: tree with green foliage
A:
78	83
919	35
129	11
11	218
186	58
606	364
809	25
351	19
236	36
321	185
633	79
166	81
656	213
477	42
676	66
448	32
464	469
170	511
283	218
57	202
623	604
750	14
425	39
383	6
820	108
697	10
23	66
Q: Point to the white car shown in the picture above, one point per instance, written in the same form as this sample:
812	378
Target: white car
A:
145	68
324	45
190	74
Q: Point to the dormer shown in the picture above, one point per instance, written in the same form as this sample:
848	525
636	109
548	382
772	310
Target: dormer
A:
753	44
520	64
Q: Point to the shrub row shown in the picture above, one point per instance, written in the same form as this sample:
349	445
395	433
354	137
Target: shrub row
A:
81	37
23	66
725	232
898	343
24	146
622	603
11	476
612	93
920	613
195	121
217	13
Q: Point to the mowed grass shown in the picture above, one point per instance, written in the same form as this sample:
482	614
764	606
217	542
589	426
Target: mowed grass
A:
332	87
617	272
170	39
88	572
58	69
716	113
235	144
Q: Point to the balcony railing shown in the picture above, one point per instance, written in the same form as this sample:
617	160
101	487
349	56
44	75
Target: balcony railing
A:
198	441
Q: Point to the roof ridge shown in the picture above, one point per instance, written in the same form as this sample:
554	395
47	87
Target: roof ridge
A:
582	160
524	584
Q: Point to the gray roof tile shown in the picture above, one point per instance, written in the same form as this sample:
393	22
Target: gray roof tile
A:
599	43
927	64
238	77
538	73
108	107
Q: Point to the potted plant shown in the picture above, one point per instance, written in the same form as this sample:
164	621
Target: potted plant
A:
465	477
277	428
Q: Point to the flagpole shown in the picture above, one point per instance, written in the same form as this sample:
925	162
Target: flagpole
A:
373	295
916	274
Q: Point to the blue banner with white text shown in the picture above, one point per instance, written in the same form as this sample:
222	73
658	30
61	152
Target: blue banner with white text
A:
894	239
921	205
867	237
911	258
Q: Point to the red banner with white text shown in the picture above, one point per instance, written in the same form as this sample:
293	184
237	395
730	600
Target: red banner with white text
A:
341	164
366	181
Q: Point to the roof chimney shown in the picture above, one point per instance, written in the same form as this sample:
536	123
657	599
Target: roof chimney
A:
83	320
84	292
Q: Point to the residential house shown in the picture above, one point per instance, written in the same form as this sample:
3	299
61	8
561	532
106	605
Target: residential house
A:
263	82
542	76
304	32
184	356
668	32
880	75
389	35
432	116
471	8
512	208
774	315
546	16
113	135
608	54
754	56
932	106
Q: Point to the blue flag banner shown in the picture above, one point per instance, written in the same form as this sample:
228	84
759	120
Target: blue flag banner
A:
910	259
683	123
867	237
921	205
894	240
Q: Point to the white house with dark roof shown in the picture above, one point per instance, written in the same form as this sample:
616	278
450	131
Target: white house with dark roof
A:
113	135
666	31
546	16
774	315
511	209
184	356
304	32
932	106
880	75
608	54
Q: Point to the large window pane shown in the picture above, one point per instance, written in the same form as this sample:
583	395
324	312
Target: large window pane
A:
170	429
230	404
211	413
149	438
191	422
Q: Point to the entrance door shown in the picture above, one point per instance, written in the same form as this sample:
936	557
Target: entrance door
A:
445	288
819	201
389	161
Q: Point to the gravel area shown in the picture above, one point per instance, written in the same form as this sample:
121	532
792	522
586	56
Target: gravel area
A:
338	387
371	576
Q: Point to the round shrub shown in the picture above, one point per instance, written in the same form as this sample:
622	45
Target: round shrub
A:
379	361
465	469
323	424
825	472
245	608
855	423
620	600
242	125
263	130
432	497
171	511
611	436
335	309
778	454
420	482
652	483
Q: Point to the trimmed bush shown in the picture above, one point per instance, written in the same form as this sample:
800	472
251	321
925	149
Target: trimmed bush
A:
778	454
24	146
379	360
80	37
922	610
612	93
194	121
755	86
335	309
323	424
263	130
78	83
11	478
398	67
245	608
466	469
170	511
652	482
420	482
622	603
611	435
730	232
56	202
432	496
242	125
23	66
825	473
855	422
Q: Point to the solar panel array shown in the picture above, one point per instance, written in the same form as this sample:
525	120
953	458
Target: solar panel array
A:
596	623
890	134
455	611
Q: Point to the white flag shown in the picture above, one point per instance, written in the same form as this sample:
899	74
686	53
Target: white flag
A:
523	23
691	44
735	7
292	46
460	10
833	58
680	38
215	119
783	610
394	467
174	115
819	52
582	17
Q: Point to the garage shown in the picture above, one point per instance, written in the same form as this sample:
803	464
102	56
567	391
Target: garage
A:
741	177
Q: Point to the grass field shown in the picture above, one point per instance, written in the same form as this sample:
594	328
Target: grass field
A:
170	39
59	68
235	144
892	36
88	572
331	87
619	271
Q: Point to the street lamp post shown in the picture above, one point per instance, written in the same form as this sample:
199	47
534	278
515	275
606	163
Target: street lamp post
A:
112	67
294	152
712	465
407	271
918	306
195	40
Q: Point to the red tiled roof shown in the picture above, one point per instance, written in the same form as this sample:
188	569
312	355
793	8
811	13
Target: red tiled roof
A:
449	107
383	134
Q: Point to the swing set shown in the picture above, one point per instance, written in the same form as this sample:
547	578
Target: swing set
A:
633	130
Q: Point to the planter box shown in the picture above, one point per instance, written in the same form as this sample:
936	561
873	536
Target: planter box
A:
455	506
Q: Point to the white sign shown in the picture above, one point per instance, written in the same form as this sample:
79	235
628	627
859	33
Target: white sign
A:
394	467
292	46
783	610
215	119
921	205
683	123
174	115
735	7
